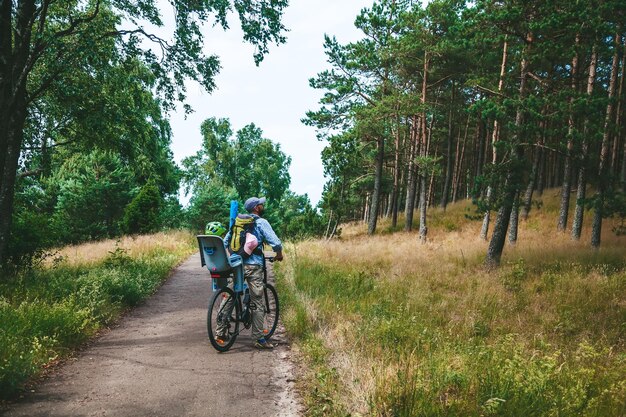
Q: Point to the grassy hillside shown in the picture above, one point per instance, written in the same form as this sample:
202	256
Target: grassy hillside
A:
48	311
389	326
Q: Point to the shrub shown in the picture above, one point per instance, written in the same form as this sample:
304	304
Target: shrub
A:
142	214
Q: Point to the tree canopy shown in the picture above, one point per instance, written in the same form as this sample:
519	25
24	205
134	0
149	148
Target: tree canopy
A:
74	75
487	100
238	165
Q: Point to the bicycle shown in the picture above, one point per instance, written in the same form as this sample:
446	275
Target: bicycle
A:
230	309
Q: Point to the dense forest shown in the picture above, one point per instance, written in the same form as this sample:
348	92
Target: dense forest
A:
493	101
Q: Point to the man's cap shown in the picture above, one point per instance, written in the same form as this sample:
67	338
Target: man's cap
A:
252	202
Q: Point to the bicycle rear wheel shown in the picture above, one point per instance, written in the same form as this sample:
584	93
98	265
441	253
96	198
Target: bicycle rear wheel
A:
272	309
222	323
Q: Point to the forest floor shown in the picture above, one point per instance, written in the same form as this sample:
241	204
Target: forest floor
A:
157	361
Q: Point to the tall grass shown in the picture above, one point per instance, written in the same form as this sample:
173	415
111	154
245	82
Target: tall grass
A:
47	311
418	329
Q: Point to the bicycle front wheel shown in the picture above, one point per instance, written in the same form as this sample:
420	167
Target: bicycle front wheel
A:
272	308
222	323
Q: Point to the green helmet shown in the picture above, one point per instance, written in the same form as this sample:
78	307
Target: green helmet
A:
215	229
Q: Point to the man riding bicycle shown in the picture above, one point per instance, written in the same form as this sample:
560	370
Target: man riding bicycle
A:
253	267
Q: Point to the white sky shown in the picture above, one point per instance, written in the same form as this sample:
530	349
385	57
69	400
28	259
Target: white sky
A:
276	95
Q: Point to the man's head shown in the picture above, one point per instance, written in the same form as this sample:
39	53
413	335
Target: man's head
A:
255	205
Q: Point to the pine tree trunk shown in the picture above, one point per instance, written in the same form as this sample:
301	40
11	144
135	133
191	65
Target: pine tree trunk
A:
448	177
496	132
396	179
581	192
484	230
618	117
330	219
620	134
410	186
496	245
386	208
480	158
596	230
623	174
416	191
424	153
548	165
486	148
459	166
400	202
376	195
567	170
577	223
455	172
557	168
334	230
461	162
422	206
382	204
514	221
530	188
478	139
432	184
528	195
541	174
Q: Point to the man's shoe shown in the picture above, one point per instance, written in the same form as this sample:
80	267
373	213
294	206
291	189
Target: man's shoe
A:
222	339
263	344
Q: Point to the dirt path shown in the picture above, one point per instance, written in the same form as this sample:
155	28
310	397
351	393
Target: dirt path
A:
159	362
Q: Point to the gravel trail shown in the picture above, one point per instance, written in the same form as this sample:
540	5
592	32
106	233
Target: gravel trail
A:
158	362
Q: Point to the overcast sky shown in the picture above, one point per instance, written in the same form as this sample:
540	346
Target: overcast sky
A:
276	95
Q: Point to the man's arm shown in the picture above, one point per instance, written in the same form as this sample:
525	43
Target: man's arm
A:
270	237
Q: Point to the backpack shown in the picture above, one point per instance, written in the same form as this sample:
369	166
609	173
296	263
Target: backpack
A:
243	225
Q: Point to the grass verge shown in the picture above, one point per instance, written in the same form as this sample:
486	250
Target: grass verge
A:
50	310
319	383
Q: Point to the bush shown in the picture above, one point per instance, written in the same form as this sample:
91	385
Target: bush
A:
211	203
30	232
142	214
30	237
93	190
